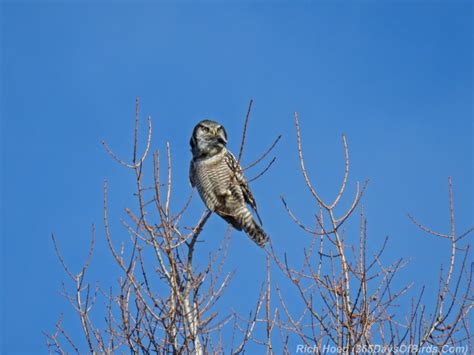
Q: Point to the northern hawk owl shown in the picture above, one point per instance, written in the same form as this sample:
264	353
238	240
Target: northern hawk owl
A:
220	181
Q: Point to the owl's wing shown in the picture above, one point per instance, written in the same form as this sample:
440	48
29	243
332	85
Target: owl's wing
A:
240	178
192	173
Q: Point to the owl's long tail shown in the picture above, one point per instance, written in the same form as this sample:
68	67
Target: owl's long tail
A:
243	220
256	233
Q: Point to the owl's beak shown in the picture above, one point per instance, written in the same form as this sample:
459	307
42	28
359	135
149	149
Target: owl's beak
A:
220	138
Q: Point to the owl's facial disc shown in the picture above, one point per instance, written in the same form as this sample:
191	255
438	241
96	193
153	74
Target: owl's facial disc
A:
209	138
212	133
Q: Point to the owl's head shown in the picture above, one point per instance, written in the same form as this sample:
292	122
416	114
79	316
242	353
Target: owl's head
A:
208	139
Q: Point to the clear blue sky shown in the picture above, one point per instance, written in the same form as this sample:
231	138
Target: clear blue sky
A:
396	78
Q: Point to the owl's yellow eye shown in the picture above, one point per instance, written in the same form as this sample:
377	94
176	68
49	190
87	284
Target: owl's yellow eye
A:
205	129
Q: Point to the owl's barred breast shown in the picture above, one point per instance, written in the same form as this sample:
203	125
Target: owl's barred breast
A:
214	181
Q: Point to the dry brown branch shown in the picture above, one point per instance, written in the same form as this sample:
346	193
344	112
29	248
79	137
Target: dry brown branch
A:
164	303
435	330
350	301
135	163
263	156
335	292
244	131
263	171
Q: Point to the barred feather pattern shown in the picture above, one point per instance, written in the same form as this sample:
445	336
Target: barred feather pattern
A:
225	191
